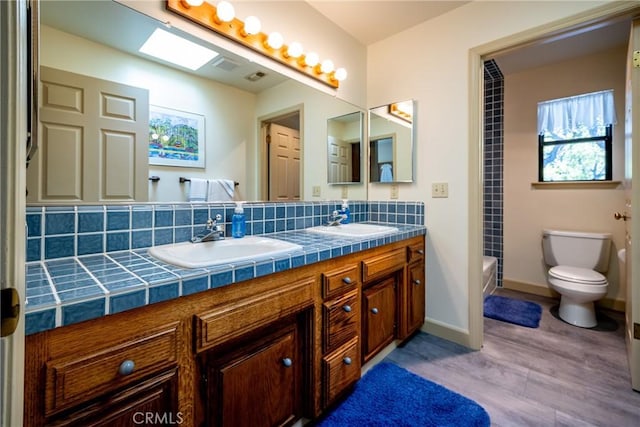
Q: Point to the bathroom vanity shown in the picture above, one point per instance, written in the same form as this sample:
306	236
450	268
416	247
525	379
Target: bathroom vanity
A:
265	351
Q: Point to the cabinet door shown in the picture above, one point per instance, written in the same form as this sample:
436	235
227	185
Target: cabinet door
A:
416	297
258	385
379	316
154	401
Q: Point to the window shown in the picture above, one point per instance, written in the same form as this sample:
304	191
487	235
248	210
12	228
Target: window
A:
575	138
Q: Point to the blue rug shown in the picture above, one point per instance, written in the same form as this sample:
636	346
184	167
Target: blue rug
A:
388	395
523	313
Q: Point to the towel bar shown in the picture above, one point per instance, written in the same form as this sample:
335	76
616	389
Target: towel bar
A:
183	180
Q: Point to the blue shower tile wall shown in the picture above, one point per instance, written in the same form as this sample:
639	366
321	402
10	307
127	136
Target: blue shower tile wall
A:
493	163
67	231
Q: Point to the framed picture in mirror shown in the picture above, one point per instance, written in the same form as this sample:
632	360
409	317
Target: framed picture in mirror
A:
176	138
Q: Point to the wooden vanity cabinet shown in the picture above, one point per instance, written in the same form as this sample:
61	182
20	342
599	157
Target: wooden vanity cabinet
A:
267	351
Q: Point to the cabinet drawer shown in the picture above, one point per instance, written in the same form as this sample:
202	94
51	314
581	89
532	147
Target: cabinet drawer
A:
415	253
234	319
337	281
340	320
85	376
386	263
341	369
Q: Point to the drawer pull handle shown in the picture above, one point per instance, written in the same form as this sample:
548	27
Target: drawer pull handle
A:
126	367
347	360
417	282
346	308
420	251
287	362
374	310
347	280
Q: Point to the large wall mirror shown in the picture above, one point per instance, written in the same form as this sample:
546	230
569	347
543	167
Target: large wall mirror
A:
344	148
233	100
391	141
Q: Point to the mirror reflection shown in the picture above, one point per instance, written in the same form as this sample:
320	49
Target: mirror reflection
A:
235	101
391	142
344	145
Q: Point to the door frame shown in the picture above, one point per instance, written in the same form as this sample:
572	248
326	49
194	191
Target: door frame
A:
477	56
263	153
15	78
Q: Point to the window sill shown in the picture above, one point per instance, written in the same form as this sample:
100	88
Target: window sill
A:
576	185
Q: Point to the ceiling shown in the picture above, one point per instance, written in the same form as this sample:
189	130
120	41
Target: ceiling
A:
370	21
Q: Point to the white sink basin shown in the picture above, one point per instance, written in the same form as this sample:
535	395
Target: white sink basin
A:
227	251
354	230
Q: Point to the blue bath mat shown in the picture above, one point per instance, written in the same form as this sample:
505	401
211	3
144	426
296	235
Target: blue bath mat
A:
523	313
389	395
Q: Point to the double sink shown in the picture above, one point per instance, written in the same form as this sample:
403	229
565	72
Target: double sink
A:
229	251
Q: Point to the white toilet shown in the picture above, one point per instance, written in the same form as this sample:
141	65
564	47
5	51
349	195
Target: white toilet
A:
576	261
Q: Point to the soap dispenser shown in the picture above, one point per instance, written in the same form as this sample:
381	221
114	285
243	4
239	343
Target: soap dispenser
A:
346	212
238	222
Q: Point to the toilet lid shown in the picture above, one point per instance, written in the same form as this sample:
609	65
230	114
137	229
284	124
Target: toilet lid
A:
577	274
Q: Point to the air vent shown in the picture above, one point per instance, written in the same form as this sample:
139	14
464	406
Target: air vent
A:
226	64
255	76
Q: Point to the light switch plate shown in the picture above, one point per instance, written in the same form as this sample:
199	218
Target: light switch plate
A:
345	192
316	191
440	189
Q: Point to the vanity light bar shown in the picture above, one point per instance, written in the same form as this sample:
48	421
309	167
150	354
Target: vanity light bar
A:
206	14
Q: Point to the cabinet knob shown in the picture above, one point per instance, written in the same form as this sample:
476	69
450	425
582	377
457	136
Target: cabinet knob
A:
347	360
287	362
347	280
346	308
417	282
374	310
126	367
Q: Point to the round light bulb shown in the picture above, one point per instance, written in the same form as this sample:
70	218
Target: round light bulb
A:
275	40
340	74
154	136
252	25
225	11
165	138
193	3
294	50
311	59
326	66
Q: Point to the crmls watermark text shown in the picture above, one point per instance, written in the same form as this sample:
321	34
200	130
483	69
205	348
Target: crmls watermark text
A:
159	418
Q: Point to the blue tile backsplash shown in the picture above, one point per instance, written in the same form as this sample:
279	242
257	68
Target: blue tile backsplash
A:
493	163
85	262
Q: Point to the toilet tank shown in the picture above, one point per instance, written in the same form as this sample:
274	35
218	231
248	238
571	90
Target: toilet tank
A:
577	249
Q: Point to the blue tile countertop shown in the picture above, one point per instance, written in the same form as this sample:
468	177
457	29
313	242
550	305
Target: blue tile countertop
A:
64	291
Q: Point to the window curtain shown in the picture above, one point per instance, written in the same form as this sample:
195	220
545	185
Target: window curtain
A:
568	114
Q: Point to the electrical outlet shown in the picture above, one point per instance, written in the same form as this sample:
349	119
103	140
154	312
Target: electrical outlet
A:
394	191
345	192
316	191
440	189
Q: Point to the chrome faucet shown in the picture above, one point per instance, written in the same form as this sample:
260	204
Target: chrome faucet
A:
335	218
212	231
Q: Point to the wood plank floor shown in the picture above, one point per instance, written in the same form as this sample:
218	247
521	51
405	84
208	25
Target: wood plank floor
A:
554	375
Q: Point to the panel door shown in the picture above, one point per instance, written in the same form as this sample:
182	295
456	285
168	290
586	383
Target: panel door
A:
94	141
379	316
284	163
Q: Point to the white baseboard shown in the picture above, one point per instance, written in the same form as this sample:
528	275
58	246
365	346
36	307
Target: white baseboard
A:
447	332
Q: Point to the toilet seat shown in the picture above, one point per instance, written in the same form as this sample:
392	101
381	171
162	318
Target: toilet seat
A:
579	275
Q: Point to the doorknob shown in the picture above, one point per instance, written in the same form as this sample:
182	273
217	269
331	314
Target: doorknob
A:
623	216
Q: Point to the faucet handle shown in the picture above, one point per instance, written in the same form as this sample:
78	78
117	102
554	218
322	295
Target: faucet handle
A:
210	224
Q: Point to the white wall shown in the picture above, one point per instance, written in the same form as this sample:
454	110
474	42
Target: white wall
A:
527	210
229	112
431	64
